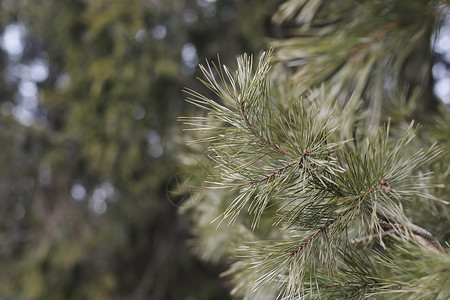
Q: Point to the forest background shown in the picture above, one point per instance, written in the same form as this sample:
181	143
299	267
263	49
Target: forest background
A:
89	94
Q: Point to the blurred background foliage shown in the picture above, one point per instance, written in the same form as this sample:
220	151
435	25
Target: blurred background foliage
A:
89	95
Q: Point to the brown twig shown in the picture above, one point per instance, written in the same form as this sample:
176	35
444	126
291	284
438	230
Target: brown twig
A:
256	133
321	229
431	244
416	230
383	186
273	174
353	54
419	231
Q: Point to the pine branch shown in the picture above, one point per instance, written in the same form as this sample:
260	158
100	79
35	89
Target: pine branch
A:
383	185
305	244
264	140
328	196
354	53
417	230
282	169
410	271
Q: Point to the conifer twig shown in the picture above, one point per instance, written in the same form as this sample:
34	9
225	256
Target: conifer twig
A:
374	39
255	132
283	168
320	230
417	230
384	185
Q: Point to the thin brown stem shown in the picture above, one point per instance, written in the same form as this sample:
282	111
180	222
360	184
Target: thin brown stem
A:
256	132
354	53
273	174
417	230
305	244
280	170
382	186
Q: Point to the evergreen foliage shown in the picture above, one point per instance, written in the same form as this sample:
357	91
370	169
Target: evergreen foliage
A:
85	210
320	185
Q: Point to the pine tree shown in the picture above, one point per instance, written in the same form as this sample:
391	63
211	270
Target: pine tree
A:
317	181
85	163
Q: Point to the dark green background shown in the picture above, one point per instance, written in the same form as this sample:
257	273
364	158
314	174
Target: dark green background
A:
105	122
